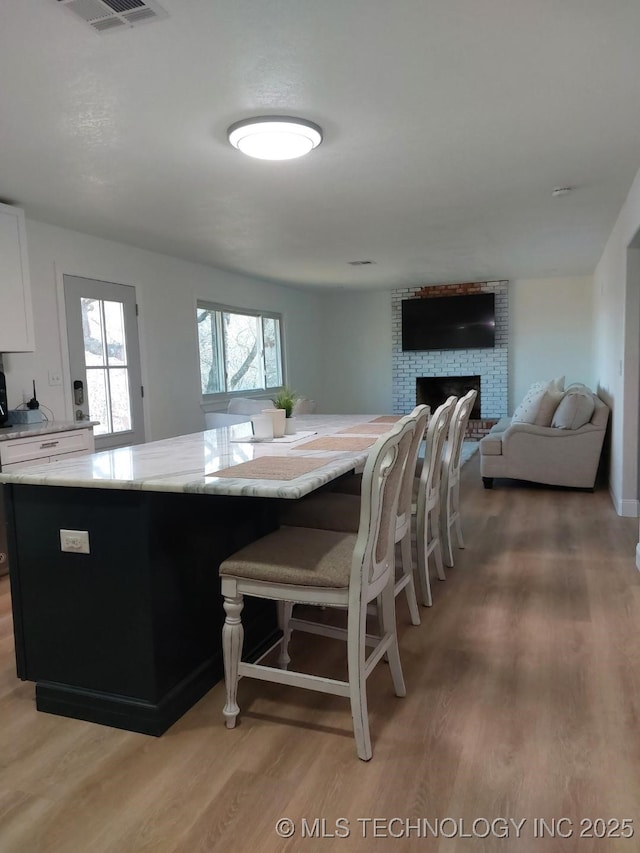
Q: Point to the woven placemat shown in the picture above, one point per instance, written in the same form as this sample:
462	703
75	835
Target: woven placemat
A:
386	419
359	429
338	442
271	468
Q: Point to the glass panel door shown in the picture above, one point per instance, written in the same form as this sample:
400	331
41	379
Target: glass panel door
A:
104	359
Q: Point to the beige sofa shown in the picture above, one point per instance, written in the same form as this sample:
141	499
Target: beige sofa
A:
557	457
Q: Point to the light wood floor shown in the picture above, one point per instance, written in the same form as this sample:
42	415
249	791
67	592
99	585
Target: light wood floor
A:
523	702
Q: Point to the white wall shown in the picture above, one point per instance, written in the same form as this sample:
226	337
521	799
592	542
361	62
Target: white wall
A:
167	289
617	307
356	352
550	332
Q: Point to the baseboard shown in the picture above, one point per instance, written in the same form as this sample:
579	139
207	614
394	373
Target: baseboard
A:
627	508
122	712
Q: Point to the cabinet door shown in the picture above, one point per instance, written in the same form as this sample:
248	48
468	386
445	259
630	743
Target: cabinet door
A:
26	463
16	318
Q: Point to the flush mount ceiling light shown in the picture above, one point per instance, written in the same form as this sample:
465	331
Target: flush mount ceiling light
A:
275	137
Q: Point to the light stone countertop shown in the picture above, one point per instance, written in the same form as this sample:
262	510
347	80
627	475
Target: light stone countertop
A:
43	428
188	463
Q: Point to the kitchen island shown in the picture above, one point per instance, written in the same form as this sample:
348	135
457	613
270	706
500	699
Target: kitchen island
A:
123	626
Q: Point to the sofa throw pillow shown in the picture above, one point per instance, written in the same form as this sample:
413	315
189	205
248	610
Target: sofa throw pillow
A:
574	410
547	407
527	411
557	384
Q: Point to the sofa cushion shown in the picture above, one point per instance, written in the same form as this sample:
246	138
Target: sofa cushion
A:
547	407
503	423
540	403
574	410
528	409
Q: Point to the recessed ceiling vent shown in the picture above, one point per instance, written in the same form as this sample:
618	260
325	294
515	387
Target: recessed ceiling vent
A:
107	15
360	263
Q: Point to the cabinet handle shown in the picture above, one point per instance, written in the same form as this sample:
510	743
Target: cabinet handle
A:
48	444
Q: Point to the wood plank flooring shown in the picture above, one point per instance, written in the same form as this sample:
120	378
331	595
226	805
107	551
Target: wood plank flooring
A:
523	703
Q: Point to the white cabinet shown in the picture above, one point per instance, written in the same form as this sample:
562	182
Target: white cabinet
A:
16	315
38	450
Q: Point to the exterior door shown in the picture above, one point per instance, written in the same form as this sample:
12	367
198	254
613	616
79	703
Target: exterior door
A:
104	358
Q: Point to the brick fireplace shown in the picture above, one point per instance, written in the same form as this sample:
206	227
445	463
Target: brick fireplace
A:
434	390
486	367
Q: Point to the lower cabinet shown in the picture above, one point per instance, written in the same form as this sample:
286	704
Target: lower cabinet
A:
18	453
38	450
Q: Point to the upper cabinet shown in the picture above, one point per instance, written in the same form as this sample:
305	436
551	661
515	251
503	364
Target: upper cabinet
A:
16	314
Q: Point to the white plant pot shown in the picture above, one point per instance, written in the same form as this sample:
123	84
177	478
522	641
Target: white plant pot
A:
278	416
290	426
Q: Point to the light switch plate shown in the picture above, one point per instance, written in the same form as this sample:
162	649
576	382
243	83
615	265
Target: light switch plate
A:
75	541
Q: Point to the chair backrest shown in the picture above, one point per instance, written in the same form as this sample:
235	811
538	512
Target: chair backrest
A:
457	430
420	416
247	406
304	406
429	488
373	554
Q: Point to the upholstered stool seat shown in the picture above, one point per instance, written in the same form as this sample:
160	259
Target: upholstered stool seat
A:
296	555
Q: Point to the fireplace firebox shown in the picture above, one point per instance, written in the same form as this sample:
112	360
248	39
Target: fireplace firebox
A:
434	390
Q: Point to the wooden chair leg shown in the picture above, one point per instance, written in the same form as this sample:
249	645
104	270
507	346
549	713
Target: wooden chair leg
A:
358	682
232	640
434	517
407	571
422	544
445	526
388	624
457	519
285	609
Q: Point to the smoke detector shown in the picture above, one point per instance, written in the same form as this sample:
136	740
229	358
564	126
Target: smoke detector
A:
106	15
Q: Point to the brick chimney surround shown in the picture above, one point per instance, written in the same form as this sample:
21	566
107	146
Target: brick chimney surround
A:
490	364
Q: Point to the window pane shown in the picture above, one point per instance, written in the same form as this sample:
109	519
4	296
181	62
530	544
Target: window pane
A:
238	352
120	403
211	377
114	336
242	350
92	332
98	400
271	340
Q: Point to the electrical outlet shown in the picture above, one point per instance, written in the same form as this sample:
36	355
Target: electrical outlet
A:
55	378
75	541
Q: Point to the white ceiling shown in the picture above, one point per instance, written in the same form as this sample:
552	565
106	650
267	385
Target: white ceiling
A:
447	124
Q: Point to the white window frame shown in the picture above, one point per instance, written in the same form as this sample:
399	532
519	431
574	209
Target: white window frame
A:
226	395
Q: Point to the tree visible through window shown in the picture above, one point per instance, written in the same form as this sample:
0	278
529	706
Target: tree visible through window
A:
239	351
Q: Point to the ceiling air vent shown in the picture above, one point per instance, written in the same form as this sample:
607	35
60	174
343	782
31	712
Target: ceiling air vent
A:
105	15
360	263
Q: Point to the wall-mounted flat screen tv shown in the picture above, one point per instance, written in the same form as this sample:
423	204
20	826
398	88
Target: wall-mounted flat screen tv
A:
449	322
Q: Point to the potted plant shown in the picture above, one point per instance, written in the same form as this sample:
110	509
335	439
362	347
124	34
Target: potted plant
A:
286	400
